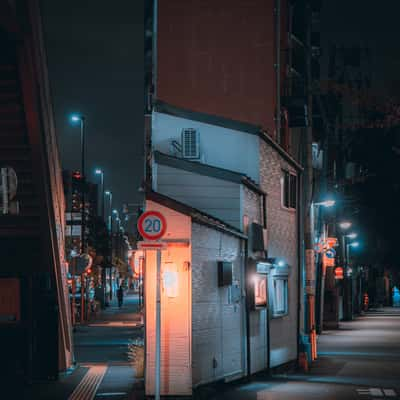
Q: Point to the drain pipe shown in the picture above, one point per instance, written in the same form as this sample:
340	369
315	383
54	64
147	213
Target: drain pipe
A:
299	259
247	293
278	69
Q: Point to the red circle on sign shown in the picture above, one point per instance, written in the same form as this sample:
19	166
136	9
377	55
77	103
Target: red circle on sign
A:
145	228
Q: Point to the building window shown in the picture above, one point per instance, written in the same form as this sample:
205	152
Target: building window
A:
280	296
289	190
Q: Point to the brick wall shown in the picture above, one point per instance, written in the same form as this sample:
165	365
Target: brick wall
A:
282	243
217	57
217	320
251	206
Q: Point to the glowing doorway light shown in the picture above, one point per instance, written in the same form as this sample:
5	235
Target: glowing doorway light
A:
170	279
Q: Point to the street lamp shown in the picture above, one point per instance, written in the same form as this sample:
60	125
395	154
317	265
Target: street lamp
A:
315	315
326	203
100	172
348	287
81	119
116	214
345	224
76	118
109	194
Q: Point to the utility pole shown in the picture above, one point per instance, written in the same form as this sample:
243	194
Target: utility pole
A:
310	272
83	212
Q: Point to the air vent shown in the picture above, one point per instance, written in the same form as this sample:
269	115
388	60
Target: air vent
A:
190	143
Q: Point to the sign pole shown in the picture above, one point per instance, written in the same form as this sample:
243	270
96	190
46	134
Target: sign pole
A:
152	226
158	328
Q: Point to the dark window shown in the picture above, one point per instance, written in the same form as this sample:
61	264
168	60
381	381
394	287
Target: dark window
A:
289	190
293	191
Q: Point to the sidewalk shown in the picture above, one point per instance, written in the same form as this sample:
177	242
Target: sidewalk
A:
103	370
116	383
359	361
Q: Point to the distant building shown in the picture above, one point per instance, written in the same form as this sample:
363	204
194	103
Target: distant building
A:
73	199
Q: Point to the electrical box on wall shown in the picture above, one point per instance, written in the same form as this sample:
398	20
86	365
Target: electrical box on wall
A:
224	273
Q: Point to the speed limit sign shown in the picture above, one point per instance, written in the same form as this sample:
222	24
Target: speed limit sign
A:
152	225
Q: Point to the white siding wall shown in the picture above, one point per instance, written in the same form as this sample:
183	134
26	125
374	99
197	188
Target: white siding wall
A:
217	324
219	147
216	197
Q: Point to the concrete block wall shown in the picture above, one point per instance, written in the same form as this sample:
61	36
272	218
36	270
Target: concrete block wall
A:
217	321
282	243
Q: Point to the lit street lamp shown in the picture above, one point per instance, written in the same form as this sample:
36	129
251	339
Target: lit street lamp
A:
100	172
316	315
345	224
109	194
81	119
348	286
326	203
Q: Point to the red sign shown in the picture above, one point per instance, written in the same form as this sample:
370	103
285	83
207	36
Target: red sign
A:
151	245
152	225
339	273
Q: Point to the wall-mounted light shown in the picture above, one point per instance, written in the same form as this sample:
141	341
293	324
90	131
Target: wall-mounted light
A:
170	278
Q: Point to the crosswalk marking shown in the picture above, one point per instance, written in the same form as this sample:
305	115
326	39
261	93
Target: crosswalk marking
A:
376	392
389	392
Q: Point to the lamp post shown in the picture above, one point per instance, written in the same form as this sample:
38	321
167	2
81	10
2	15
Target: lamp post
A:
109	194
116	214
349	273
100	172
347	279
314	308
345	225
81	119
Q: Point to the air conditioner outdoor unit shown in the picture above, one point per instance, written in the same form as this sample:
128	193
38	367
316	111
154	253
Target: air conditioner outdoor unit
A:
190	143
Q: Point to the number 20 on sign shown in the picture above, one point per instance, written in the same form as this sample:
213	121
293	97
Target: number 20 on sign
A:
152	225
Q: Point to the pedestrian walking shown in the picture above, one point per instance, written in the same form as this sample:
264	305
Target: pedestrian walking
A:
120	296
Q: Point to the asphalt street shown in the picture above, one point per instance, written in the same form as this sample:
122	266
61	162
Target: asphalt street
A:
106	339
359	361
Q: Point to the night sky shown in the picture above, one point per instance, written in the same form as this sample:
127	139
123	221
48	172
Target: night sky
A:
95	61
367	23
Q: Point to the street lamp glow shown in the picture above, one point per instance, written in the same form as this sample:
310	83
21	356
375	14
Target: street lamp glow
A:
98	171
326	203
115	212
281	263
345	225
352	235
107	193
75	118
355	244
